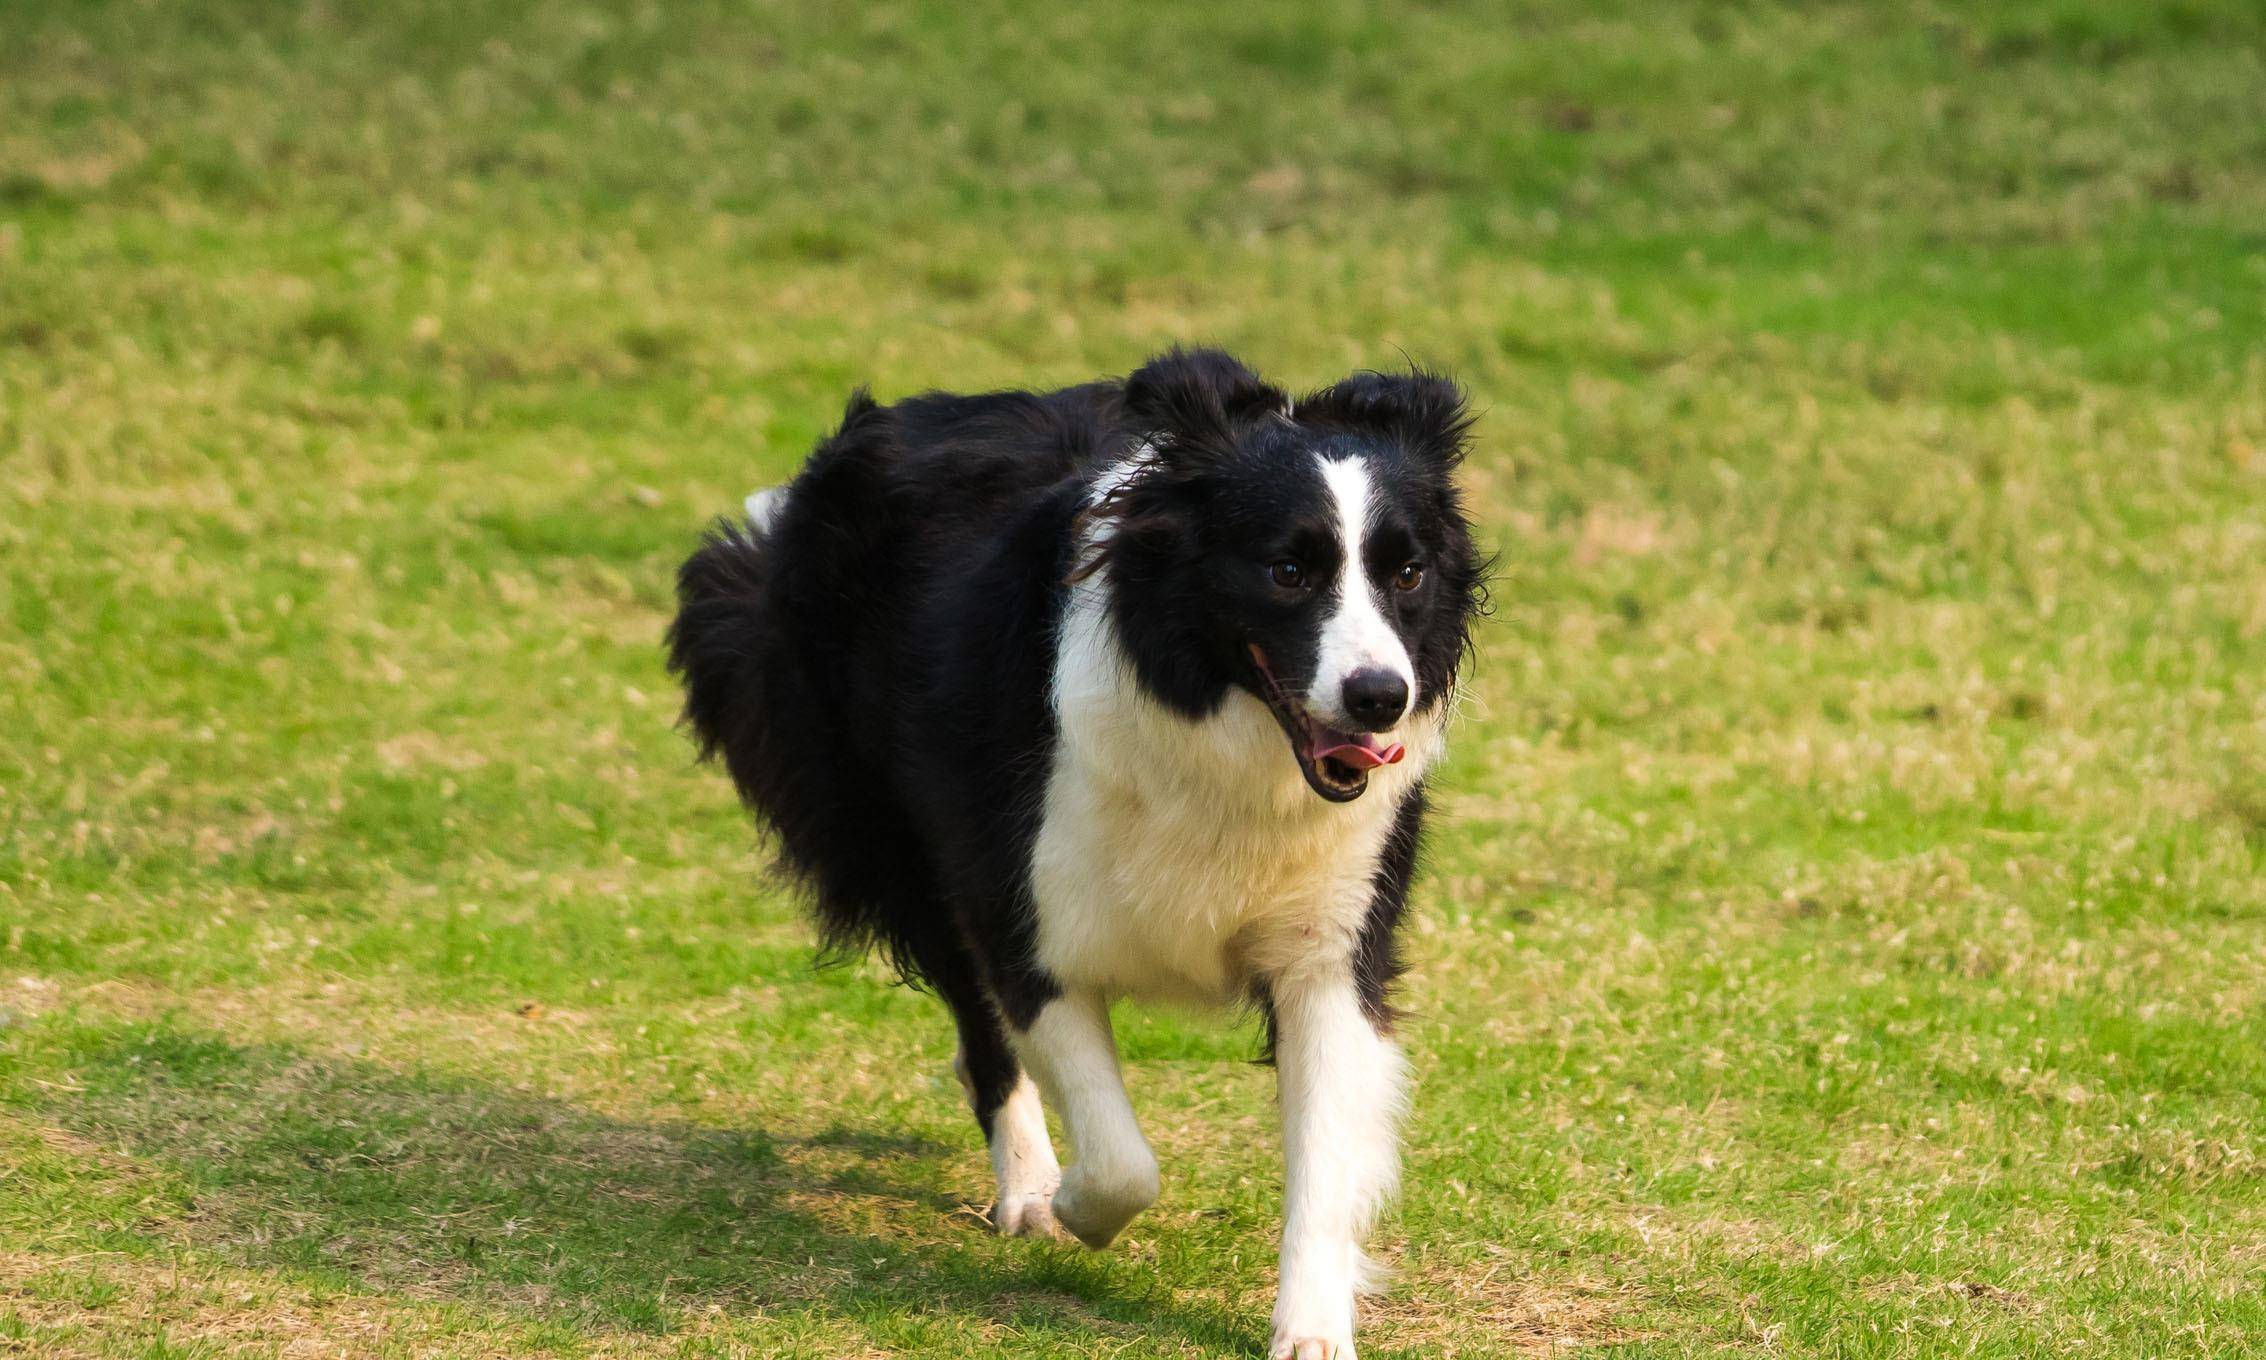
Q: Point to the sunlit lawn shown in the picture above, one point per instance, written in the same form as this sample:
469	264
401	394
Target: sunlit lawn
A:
1847	935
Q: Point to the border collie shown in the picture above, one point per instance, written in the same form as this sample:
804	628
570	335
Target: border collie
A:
1127	689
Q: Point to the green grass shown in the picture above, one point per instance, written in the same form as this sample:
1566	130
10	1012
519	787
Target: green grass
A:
1847	935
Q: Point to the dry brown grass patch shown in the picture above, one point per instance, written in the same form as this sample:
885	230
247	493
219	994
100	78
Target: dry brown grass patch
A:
1487	1309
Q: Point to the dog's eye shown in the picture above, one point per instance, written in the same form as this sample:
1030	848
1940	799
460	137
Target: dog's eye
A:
1288	574
1409	577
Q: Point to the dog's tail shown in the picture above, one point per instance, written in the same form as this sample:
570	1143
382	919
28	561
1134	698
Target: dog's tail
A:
763	509
766	644
716	642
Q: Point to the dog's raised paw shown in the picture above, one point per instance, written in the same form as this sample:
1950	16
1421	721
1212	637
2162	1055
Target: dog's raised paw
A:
1096	1206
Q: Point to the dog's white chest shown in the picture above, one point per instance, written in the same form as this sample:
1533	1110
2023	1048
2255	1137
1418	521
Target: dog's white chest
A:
1183	860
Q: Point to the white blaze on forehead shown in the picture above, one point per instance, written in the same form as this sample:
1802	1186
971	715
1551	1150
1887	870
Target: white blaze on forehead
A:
1355	636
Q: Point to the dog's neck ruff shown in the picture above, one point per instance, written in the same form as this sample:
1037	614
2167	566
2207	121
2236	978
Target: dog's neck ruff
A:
1190	878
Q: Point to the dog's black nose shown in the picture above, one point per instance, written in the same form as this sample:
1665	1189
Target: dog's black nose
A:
1375	699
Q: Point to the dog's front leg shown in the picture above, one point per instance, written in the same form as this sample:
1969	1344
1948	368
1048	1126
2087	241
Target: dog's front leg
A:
1113	1175
1342	1086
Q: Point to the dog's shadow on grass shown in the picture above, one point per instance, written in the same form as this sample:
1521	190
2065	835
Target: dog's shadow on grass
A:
439	1187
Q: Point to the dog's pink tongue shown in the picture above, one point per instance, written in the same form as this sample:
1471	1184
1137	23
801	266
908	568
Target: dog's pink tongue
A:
1361	750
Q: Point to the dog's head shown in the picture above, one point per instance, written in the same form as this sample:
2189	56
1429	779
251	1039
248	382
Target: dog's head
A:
1313	552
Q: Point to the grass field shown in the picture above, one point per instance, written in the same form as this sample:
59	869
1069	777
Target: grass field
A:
1848	932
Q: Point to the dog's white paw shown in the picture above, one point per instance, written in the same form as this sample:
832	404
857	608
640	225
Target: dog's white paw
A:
1022	1160
1027	1216
1314	1320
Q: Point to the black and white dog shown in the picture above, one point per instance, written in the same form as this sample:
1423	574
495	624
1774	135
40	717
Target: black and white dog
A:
1127	689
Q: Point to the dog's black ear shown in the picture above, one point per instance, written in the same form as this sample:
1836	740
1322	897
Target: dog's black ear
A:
1198	396
1424	412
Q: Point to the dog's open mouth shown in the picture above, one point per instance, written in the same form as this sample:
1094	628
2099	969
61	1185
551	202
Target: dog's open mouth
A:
1336	764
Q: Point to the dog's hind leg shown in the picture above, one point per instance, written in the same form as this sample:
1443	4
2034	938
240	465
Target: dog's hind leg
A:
1022	1158
1005	1102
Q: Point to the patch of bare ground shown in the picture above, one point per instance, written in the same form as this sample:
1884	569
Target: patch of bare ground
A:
67	1301
1490	1309
1917	1290
74	1304
64	1143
